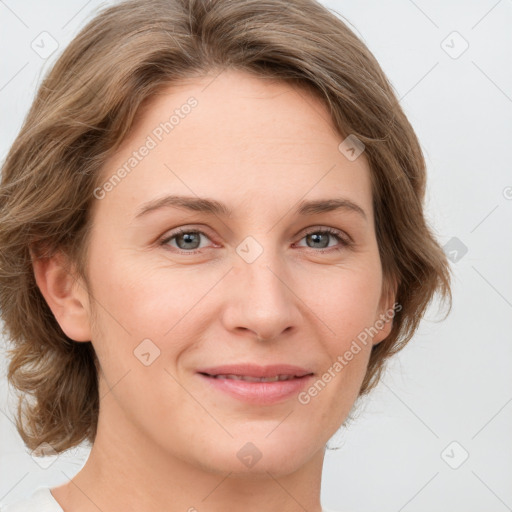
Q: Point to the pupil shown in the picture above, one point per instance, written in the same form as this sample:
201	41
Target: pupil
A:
188	238
316	237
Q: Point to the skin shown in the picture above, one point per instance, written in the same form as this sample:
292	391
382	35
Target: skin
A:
166	440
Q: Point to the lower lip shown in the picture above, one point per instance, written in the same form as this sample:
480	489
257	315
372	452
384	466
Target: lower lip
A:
260	392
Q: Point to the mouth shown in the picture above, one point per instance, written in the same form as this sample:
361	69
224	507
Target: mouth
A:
248	378
257	384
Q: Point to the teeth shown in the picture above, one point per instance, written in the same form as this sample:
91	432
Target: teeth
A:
255	379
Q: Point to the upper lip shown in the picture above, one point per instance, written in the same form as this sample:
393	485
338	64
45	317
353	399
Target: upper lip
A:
253	370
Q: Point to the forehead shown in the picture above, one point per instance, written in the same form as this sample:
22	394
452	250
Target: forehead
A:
236	137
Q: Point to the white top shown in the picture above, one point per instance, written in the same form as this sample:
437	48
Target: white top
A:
42	500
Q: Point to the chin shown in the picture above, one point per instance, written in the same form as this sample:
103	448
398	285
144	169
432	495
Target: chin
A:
257	456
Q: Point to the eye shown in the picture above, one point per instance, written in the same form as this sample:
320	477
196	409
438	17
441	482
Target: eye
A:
187	240
319	239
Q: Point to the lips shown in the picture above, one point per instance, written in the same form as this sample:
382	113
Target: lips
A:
257	384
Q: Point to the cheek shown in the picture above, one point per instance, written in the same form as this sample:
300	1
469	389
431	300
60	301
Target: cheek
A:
347	303
141	297
142	300
147	298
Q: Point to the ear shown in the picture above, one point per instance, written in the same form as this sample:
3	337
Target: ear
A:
65	294
387	309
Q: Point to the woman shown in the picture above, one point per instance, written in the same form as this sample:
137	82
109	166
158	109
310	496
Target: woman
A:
212	239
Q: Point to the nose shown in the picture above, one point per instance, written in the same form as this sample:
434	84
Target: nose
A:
261	299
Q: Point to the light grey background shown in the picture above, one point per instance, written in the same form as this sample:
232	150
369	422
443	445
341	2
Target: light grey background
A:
452	383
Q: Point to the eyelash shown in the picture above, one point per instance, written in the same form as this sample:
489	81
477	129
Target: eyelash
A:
344	240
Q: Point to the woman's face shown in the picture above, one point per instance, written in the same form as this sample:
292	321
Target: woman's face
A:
213	272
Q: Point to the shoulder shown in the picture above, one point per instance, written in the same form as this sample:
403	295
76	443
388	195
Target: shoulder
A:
41	500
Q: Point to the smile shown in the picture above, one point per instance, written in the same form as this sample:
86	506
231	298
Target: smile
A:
263	385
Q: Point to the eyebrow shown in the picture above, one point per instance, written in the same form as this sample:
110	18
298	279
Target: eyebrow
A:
211	206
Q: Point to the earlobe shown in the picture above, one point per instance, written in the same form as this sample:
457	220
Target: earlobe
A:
64	293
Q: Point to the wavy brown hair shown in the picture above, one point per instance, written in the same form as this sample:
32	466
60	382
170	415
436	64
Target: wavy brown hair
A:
86	106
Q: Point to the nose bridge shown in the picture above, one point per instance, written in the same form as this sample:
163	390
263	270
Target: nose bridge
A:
263	299
260	267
